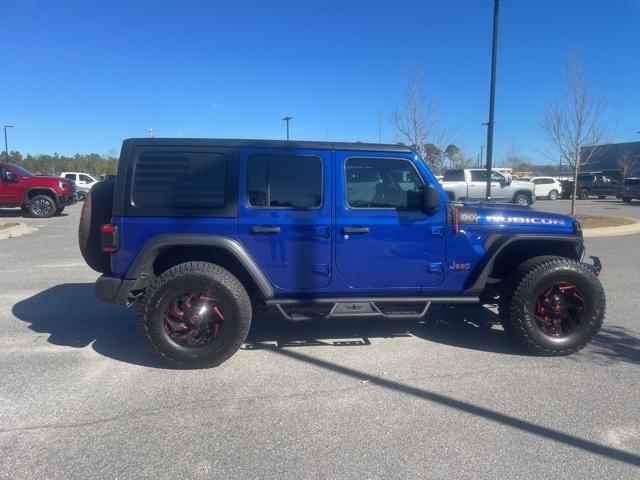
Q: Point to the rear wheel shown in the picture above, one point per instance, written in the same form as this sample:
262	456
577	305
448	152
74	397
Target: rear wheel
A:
626	199
583	194
601	197
196	315
555	307
553	195
42	206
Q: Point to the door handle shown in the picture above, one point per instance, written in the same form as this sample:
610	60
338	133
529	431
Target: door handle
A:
265	230
355	230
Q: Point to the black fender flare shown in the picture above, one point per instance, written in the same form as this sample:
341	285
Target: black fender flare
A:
142	266
54	195
495	244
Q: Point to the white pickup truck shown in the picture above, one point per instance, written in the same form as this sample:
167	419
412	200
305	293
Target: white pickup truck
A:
471	184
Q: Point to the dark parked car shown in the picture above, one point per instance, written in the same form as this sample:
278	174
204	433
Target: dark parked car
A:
630	189
593	184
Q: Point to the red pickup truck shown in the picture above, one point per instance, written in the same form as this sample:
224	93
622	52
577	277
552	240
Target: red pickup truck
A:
37	196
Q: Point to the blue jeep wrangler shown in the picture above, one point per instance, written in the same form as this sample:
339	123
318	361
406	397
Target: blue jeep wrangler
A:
202	233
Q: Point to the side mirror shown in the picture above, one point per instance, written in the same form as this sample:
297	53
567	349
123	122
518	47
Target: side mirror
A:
430	200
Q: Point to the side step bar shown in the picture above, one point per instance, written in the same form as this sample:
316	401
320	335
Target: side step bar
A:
295	309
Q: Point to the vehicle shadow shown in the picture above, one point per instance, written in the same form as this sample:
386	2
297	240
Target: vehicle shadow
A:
469	327
71	316
12	213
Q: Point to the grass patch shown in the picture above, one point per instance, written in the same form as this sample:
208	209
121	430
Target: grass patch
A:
595	221
4	226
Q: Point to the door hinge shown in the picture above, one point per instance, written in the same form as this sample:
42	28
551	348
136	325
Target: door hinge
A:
436	267
437	231
322	232
322	268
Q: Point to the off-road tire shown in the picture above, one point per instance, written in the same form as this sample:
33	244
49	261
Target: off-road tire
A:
521	290
96	211
626	199
553	195
42	206
522	199
583	194
212	280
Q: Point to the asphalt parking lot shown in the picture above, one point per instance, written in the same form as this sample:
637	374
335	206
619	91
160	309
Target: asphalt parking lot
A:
447	397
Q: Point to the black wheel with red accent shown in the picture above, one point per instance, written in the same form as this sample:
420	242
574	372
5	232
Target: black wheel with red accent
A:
554	307
196	315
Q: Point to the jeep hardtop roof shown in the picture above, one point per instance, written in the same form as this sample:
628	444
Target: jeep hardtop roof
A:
252	143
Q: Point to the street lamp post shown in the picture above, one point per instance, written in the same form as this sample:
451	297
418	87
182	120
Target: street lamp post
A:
6	147
492	97
287	119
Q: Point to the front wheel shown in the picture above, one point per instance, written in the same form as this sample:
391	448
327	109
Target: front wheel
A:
553	195
522	199
626	199
196	315
555	306
583	194
602	197
42	206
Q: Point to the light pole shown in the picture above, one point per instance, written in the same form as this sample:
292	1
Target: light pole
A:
6	148
481	149
287	119
492	97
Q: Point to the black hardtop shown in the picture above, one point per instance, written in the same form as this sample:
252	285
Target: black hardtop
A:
276	144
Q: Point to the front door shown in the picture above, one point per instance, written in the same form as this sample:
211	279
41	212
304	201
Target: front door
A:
10	190
380	243
284	215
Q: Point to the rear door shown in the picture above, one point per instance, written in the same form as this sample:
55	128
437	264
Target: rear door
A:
380	244
285	214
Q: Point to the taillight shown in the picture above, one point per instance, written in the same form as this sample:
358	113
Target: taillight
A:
109	238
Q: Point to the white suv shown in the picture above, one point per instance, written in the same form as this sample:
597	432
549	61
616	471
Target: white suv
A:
547	187
83	181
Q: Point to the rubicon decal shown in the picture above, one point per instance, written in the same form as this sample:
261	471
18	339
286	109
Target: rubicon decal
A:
525	220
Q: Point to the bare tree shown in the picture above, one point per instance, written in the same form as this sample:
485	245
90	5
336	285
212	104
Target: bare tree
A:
627	162
417	120
575	122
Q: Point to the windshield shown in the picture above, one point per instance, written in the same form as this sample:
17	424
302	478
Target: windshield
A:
21	171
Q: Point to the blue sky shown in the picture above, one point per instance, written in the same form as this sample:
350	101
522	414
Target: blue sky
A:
80	76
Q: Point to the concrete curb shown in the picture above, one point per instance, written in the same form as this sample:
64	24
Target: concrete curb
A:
629	229
15	231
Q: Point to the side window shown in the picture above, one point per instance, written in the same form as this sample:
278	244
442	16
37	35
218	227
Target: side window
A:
86	178
478	175
497	177
453	176
70	176
179	180
536	181
380	182
281	181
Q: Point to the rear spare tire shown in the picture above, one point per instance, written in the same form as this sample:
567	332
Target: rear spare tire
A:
96	211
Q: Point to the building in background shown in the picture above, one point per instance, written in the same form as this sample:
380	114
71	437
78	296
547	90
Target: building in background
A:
614	156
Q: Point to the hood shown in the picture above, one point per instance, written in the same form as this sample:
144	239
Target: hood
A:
507	216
